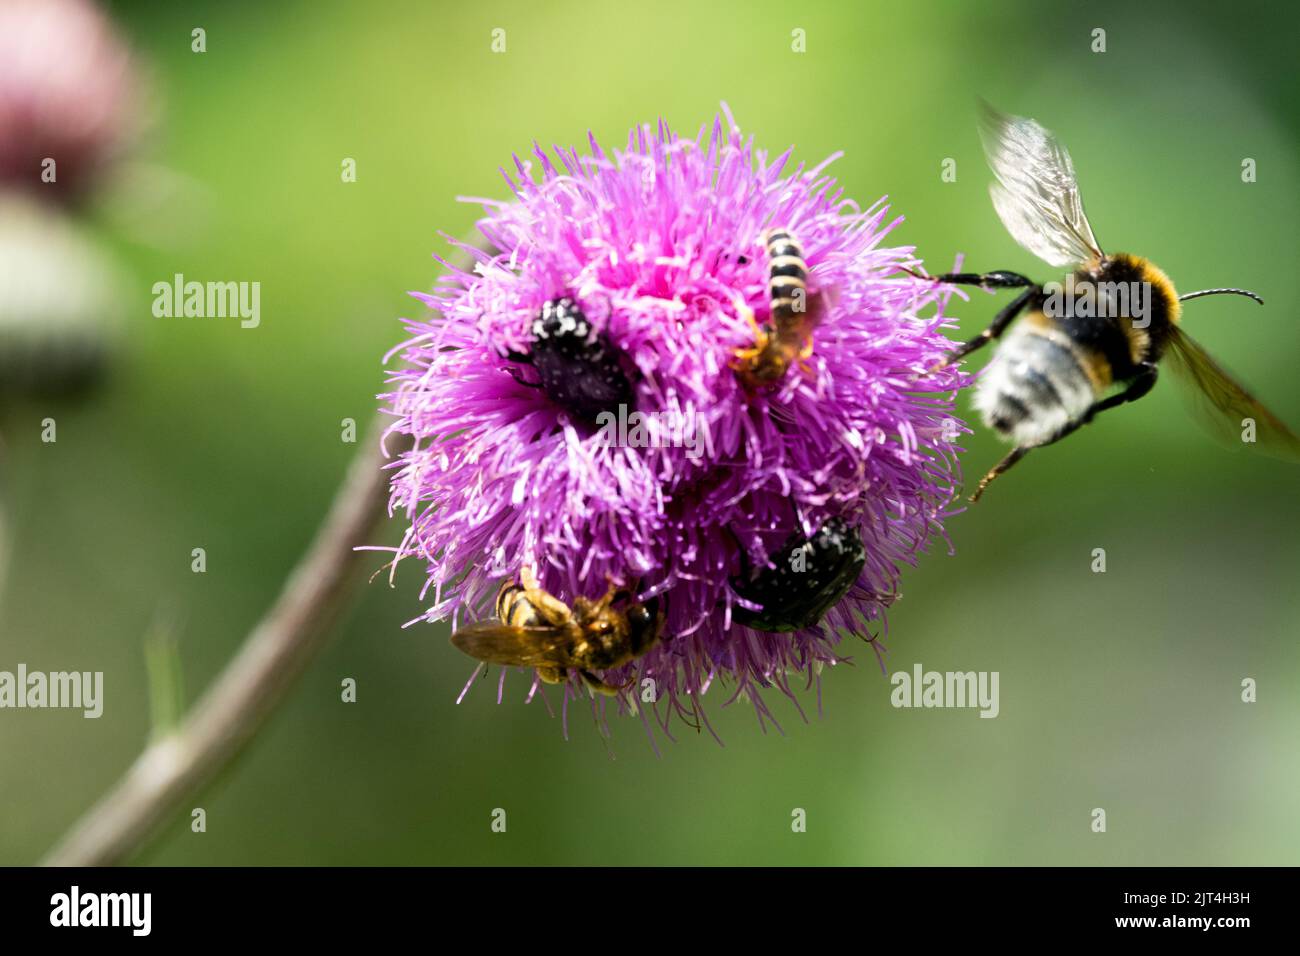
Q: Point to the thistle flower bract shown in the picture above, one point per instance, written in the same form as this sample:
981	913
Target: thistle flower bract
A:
660	245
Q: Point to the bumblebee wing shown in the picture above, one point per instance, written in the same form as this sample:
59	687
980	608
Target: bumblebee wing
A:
1036	194
1222	404
497	643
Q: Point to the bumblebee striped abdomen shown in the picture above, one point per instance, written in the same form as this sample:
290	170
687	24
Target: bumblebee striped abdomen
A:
1039	381
1062	356
787	278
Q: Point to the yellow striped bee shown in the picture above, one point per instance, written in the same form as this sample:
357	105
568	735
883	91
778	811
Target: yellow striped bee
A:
1109	324
787	335
536	629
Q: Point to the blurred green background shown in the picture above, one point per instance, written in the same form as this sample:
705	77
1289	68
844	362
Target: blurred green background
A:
1118	690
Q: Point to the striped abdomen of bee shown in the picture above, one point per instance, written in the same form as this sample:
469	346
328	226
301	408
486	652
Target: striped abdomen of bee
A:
527	607
787	281
1060	357
514	608
787	334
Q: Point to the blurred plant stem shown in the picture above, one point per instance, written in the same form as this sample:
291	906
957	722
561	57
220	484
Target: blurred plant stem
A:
185	757
4	527
4	548
162	661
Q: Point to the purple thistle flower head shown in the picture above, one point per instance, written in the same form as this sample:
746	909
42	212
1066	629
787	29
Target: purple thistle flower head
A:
700	480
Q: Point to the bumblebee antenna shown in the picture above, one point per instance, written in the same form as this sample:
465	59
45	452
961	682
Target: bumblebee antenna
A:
1197	295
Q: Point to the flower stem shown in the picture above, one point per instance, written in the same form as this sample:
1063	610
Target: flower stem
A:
176	765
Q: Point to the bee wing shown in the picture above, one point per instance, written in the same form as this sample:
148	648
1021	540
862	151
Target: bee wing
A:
1036	194
497	643
1223	404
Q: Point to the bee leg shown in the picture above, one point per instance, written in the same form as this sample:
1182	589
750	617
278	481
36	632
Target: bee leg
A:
1001	468
551	675
1139	386
622	592
999	279
807	350
804	365
805	354
612	595
746	356
552	610
599	686
517	374
995	329
1142	383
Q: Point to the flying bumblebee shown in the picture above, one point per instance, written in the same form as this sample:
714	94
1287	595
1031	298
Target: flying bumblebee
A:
787	335
1052	373
536	629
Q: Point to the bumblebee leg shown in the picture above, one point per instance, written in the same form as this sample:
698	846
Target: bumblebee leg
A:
1001	468
999	279
1139	386
995	329
551	675
1142	383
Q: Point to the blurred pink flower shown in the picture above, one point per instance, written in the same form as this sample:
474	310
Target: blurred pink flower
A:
69	91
